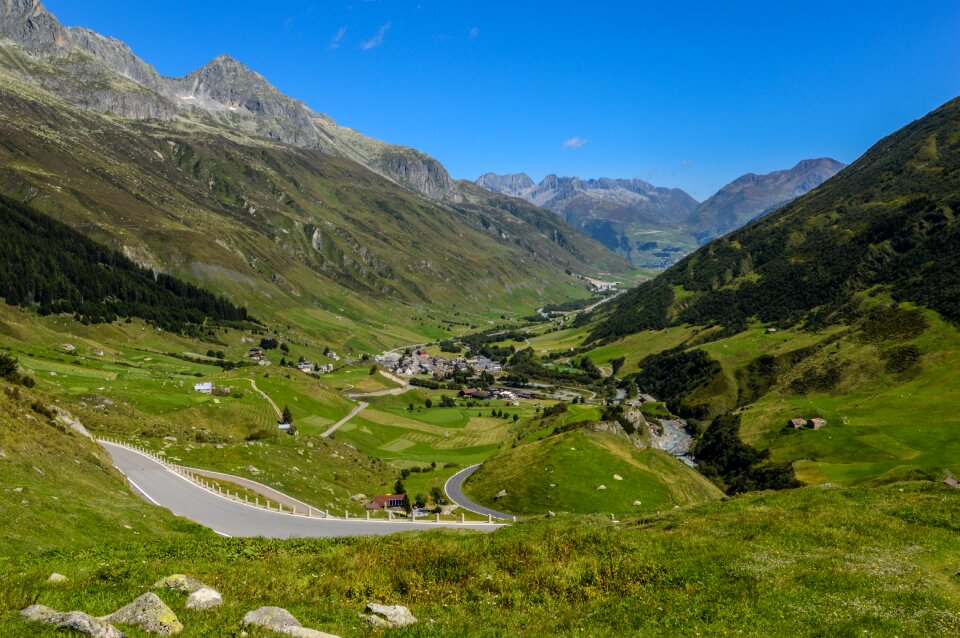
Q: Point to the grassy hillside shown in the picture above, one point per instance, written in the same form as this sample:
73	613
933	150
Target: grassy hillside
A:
842	305
565	472
888	220
300	237
809	562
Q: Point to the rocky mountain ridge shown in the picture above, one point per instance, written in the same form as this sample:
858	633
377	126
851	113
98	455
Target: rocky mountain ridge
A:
578	199
751	196
105	75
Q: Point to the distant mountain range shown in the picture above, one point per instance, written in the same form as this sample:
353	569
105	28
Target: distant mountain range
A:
655	226
751	196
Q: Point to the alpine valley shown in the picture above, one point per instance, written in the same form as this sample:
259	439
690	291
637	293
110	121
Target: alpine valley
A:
264	375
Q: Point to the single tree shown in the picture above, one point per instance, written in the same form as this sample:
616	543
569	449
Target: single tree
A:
287	415
428	403
420	500
516	417
399	488
437	495
373	369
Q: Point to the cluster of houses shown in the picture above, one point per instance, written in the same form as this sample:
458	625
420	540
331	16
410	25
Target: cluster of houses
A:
419	362
257	355
815	423
308	367
490	393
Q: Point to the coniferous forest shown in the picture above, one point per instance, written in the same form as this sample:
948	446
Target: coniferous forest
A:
45	264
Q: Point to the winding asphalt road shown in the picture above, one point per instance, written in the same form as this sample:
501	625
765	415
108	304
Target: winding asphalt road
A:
454	490
165	488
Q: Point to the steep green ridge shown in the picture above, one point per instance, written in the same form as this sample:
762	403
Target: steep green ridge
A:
881	560
575	472
297	235
843	305
888	220
48	264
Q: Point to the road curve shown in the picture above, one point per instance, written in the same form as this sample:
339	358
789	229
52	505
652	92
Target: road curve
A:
165	488
454	490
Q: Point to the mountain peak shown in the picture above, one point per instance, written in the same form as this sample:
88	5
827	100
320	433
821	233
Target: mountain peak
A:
752	195
23	8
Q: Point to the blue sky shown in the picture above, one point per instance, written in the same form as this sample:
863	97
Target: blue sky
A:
679	93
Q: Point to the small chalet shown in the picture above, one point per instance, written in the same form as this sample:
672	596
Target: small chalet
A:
204	388
284	427
468	392
384	502
818	423
797	423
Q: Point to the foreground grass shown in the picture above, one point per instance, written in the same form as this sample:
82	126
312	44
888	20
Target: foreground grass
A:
812	562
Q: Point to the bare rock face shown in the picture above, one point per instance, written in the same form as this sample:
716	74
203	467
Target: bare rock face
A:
72	621
392	615
150	614
416	170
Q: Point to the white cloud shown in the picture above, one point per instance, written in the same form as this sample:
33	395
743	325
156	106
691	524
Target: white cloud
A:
474	32
376	40
337	37
575	142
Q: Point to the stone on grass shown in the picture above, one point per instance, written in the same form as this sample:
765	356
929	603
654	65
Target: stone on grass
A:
617	477
501	494
282	621
303	632
179	582
204	598
253	469
150	614
394	615
73	621
275	618
56	579
602	487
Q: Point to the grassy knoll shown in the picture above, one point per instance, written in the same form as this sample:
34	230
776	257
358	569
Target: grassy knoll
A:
575	472
463	435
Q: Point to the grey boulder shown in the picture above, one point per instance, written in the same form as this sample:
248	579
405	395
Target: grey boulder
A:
73	621
392	615
204	598
150	614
